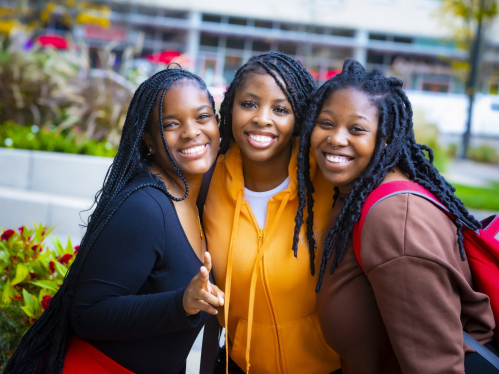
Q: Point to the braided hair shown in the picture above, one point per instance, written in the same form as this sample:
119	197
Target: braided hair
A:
44	346
395	127
298	85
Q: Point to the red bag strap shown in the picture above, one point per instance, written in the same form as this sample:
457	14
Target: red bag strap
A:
383	192
491	225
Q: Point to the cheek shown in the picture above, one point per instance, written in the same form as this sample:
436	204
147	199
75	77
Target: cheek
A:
316	138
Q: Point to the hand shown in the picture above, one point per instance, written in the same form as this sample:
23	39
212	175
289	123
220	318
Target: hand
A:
201	293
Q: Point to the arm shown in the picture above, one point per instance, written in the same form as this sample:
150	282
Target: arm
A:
105	304
416	288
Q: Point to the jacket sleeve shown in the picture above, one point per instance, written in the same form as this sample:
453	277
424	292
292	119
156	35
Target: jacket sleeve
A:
105	304
407	257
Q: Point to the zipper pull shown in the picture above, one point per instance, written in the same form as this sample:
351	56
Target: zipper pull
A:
260	234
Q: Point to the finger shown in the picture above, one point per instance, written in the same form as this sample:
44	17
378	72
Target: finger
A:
207	261
201	278
219	294
209	298
205	307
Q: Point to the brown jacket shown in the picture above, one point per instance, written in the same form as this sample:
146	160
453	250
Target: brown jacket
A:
407	312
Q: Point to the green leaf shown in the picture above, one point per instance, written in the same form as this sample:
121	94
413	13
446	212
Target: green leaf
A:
27	309
51	285
8	292
21	273
69	247
57	245
28	299
61	269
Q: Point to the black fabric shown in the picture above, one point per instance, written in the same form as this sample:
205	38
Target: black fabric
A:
210	348
233	368
128	297
476	364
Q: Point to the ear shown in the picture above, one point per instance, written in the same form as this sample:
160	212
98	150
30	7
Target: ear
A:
147	138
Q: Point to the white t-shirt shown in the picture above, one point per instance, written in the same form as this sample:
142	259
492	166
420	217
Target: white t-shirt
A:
258	201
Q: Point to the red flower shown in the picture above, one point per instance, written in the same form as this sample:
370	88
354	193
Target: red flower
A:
7	234
65	259
52	266
21	229
33	275
18	297
46	301
43	232
35	247
77	248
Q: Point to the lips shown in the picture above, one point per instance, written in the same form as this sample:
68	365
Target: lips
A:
194	151
261	140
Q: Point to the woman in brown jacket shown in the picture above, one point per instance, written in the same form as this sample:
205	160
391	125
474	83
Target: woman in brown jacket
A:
405	309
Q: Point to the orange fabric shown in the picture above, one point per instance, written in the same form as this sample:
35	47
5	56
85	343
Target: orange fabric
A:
270	307
84	358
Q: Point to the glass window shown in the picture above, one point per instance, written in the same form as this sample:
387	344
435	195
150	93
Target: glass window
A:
288	48
315	29
209	40
238	21
147	11
261	45
290	26
375	58
377	36
209	70
175	14
342	32
401	39
212	18
235	43
263	24
232	63
173	36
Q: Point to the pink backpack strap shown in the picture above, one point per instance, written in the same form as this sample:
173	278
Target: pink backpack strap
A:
491	225
383	192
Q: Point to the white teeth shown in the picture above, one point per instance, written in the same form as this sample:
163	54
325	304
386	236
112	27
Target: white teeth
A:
337	159
261	138
196	149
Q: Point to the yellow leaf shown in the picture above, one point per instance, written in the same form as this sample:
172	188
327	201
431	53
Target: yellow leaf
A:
21	274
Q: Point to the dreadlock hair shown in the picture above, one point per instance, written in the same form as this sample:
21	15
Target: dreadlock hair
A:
298	85
44	346
395	146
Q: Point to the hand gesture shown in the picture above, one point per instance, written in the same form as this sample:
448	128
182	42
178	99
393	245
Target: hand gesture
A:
201	293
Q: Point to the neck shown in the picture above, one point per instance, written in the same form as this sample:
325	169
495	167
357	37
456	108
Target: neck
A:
260	176
176	186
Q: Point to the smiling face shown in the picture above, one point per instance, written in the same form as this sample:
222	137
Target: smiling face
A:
344	137
262	118
190	127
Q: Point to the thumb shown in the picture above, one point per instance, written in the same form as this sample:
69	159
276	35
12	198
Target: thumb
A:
207	261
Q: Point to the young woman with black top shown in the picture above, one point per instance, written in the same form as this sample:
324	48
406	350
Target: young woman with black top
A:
137	294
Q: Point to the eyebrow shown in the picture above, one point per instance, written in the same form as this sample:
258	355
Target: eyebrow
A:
353	115
258	97
172	116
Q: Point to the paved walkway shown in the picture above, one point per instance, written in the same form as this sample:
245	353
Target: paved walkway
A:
472	173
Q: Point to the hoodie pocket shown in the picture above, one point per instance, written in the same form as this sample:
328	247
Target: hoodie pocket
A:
304	348
264	351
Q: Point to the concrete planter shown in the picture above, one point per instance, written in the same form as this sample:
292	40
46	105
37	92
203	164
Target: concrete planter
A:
51	188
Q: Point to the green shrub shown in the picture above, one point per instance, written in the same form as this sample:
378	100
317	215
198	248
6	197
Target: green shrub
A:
485	198
428	134
30	276
484	153
44	139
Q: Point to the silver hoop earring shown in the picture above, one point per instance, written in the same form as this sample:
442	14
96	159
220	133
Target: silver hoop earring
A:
150	150
337	147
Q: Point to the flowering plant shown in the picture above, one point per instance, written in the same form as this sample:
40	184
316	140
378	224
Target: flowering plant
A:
30	275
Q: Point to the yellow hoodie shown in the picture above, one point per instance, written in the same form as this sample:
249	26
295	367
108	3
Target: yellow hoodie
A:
263	282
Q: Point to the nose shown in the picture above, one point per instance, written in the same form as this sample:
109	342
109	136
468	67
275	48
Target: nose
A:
263	117
191	130
338	137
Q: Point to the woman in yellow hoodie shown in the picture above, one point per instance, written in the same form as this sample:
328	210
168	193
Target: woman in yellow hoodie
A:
259	260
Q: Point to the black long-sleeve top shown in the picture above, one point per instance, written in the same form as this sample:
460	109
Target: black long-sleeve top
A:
128	297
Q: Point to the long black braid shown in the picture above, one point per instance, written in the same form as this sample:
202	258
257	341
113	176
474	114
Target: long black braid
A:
298	85
395	146
43	348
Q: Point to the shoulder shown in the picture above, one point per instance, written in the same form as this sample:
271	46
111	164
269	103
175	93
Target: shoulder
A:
407	225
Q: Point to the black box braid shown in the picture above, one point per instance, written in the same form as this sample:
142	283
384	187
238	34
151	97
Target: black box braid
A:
395	127
44	346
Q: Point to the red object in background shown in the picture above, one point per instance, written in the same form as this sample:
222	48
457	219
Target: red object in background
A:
113	33
164	57
324	76
332	73
46	301
314	74
53	40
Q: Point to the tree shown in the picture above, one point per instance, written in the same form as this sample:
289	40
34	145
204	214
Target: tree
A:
469	20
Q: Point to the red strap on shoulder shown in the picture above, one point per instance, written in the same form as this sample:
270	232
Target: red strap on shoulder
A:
382	192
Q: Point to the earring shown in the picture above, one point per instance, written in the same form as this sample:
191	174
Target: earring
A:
337	147
150	150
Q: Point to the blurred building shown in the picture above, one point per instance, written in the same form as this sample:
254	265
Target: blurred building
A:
405	37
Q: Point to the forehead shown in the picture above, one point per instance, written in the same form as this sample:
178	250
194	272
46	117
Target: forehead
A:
184	95
261	83
350	101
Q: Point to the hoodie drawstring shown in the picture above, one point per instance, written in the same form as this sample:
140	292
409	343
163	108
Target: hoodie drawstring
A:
254	278
228	276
